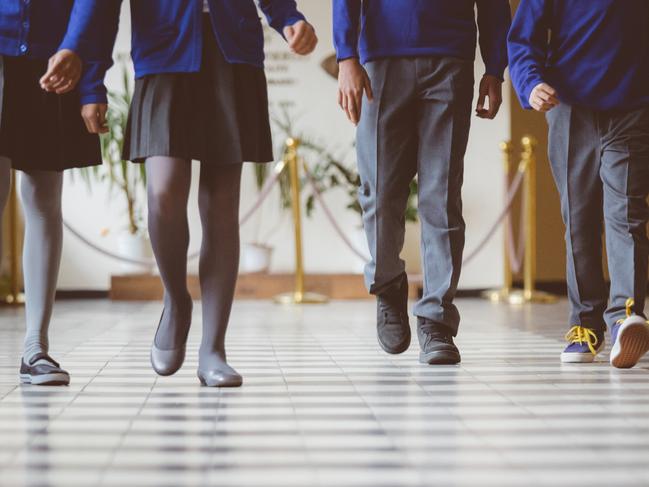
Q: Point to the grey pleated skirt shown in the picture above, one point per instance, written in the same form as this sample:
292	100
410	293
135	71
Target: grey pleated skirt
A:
41	131
218	115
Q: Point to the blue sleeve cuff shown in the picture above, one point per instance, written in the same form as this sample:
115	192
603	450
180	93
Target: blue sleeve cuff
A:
71	44
91	98
281	14
497	72
526	92
91	84
294	19
346	52
83	49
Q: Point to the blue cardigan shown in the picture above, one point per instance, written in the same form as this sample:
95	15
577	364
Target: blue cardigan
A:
166	34
372	29
39	28
597	56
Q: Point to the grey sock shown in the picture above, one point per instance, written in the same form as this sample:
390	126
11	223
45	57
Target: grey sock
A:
41	197
169	181
219	193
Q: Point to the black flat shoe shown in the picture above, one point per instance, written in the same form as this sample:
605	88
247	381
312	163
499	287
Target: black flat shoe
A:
217	372
219	378
46	373
437	346
392	322
167	362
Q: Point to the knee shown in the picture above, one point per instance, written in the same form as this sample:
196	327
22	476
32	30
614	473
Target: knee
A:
366	202
219	202
163	200
386	203
366	198
220	211
42	201
442	216
631	218
583	218
584	236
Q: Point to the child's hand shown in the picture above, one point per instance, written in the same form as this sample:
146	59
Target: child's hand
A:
544	98
63	72
491	88
94	116
301	37
353	82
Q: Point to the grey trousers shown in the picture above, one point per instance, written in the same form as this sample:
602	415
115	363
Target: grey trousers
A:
417	124
600	162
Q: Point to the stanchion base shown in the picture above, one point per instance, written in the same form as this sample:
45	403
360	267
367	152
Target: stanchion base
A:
301	298
519	296
11	300
497	295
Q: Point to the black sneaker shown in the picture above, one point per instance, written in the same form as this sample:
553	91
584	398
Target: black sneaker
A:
392	323
436	341
43	370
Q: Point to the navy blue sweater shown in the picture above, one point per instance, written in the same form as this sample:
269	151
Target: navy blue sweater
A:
597	55
39	28
167	34
372	29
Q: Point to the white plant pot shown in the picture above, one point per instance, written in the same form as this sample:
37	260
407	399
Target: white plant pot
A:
255	258
137	248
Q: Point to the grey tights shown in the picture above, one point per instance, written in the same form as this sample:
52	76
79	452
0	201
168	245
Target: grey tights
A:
5	183
41	197
218	199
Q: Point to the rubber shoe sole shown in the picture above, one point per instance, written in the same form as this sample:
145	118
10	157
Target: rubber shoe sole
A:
632	343
580	358
232	382
440	357
57	379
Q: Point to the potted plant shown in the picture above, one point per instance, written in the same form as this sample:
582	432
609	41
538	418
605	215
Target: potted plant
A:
125	179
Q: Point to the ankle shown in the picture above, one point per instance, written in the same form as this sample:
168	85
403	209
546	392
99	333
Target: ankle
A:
428	326
394	287
178	307
208	352
32	349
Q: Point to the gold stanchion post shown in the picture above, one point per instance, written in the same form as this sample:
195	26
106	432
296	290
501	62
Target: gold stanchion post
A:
299	295
530	294
503	294
15	296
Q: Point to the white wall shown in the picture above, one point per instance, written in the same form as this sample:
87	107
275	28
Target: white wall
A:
314	98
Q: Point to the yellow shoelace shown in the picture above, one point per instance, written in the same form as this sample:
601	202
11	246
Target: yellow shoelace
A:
580	334
629	309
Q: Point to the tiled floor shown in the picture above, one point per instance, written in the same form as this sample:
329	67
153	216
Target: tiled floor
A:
321	405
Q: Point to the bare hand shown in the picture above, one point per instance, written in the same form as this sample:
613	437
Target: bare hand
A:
301	37
492	88
544	98
353	81
94	116
63	72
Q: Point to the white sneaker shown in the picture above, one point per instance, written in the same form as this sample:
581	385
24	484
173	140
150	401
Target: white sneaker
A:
630	340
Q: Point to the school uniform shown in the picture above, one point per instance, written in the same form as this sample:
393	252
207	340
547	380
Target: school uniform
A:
420	59
39	130
200	89
597	59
